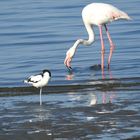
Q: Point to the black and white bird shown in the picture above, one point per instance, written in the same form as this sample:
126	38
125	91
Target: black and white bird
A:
39	80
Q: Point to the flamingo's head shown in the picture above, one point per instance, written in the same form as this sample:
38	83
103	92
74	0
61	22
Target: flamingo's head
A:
69	55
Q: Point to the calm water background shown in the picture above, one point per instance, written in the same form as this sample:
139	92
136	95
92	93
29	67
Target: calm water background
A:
35	35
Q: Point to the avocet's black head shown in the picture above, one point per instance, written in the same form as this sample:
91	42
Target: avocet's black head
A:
47	71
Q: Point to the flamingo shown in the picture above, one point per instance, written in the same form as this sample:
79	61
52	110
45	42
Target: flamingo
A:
39	80
99	14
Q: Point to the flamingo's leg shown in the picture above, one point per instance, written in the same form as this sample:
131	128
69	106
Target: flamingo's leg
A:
102	47
112	46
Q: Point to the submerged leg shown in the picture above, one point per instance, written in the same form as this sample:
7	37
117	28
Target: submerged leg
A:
112	46
40	96
102	47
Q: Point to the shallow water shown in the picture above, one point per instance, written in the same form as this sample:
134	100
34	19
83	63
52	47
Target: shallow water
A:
82	104
84	113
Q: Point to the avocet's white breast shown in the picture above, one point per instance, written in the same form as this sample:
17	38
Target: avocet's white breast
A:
39	80
43	81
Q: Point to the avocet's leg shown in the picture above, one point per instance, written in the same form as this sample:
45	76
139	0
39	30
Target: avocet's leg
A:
102	47
112	46
40	96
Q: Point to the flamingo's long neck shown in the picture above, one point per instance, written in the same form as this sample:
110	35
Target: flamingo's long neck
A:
90	39
91	35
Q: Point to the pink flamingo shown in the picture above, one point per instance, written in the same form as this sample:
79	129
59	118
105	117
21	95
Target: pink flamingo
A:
97	14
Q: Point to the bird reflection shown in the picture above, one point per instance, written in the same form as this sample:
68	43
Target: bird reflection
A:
70	75
107	97
93	100
96	68
103	98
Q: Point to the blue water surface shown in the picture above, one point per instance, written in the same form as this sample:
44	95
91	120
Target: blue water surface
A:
35	35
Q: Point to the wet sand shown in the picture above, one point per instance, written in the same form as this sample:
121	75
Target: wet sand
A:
107	110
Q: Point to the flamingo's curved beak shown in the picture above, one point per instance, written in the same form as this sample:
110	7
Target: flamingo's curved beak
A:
67	62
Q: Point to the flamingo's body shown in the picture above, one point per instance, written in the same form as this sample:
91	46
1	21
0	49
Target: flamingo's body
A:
98	14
